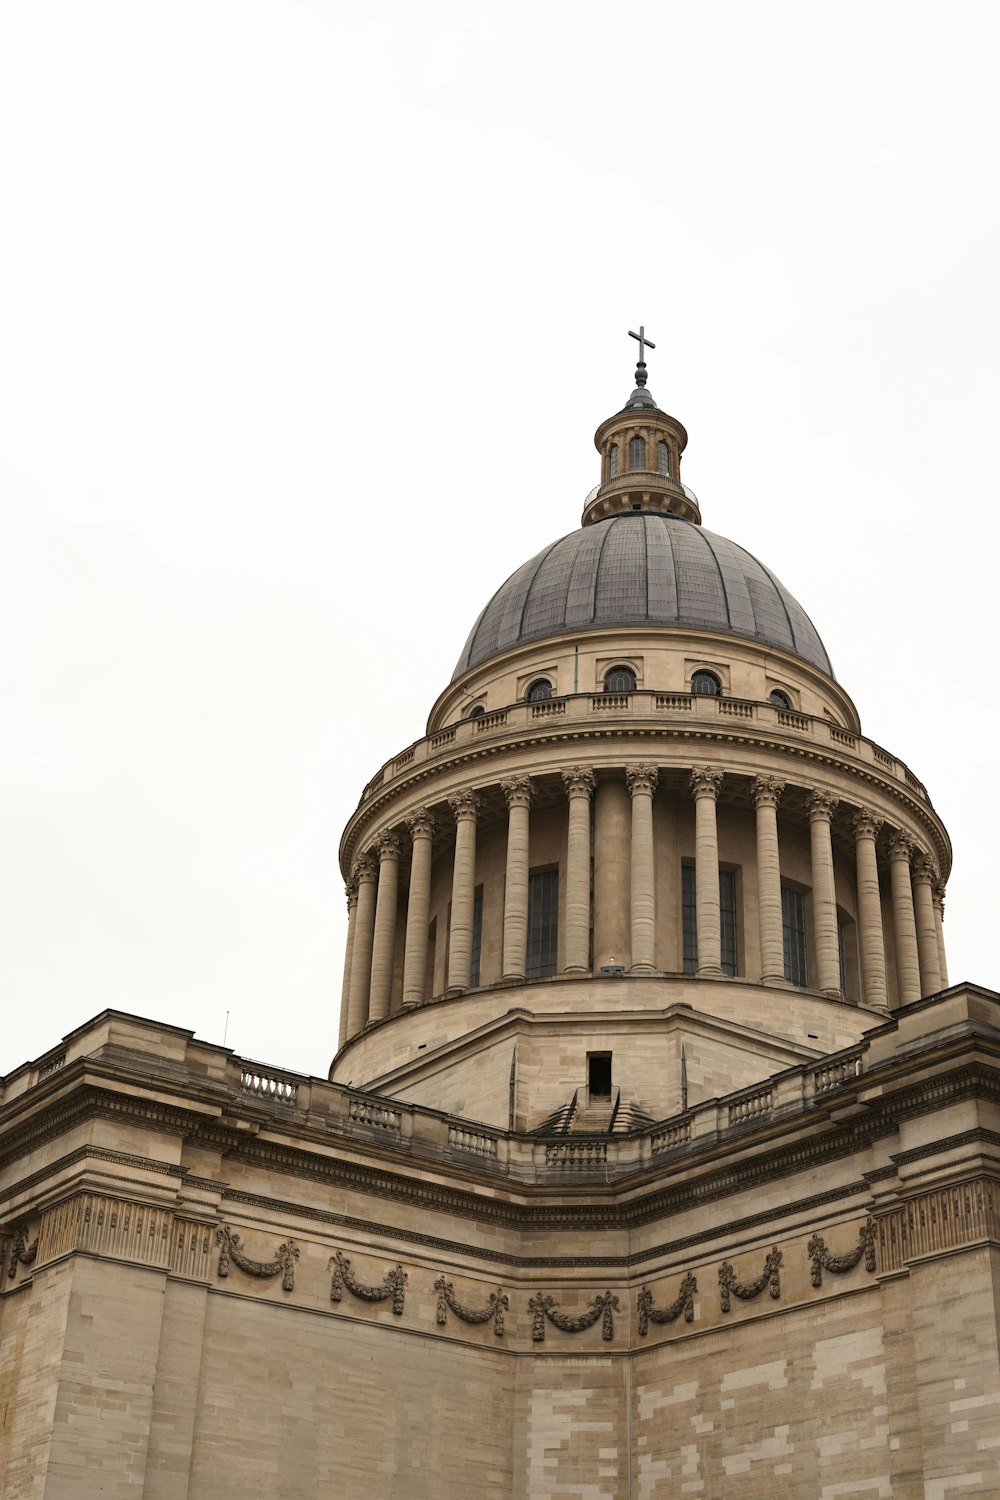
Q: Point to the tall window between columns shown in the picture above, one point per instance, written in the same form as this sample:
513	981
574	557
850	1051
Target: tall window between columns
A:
637	453
543	924
727	914
663	458
793	932
477	938
613	460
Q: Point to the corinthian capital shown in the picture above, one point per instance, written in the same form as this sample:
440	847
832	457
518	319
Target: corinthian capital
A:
766	791
387	845
924	869
822	806
464	805
351	890
579	781
939	889
420	823
866	825
705	782
901	847
365	867
641	779
517	790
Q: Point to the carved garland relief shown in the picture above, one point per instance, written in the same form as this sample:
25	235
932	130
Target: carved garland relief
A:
393	1284
232	1252
498	1304
542	1306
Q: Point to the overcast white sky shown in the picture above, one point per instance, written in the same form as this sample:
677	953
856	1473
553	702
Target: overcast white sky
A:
308	312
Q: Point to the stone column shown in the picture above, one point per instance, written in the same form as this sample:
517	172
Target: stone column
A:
866	830
705	786
904	926
612	817
418	907
641	782
766	793
924	875
351	892
939	924
517	791
824	892
364	873
384	943
579	782
465	806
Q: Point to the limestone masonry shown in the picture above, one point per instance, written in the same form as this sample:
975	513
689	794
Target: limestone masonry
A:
657	1157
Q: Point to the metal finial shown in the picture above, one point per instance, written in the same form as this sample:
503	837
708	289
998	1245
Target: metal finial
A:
644	344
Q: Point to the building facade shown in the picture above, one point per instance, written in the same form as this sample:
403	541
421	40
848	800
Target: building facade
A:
656	1158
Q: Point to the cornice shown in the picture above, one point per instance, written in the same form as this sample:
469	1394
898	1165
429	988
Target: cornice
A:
373	809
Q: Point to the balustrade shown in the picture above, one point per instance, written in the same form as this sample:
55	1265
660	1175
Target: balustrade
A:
642	704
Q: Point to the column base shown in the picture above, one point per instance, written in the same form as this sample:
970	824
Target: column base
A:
643	969
711	971
512	978
576	969
454	991
778	981
834	994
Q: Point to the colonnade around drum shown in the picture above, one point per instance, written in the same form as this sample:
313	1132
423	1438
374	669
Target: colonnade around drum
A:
373	891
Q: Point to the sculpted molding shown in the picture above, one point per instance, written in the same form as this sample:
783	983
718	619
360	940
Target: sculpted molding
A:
822	1260
498	1304
393	1284
232	1251
682	1303
542	1306
20	1250
770	1277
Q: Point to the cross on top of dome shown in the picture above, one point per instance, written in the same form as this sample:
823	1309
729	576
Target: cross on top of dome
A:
640	396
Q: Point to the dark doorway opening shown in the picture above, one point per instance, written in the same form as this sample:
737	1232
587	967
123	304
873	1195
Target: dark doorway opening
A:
599	1074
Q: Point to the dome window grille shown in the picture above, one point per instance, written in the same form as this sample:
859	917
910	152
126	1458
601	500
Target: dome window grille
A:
637	453
706	682
619	680
613	461
541	688
779	699
475	712
663	459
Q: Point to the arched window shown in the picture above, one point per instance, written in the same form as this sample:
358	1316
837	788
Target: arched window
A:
706	682
475	712
637	453
779	699
612	460
663	458
619	680
539	689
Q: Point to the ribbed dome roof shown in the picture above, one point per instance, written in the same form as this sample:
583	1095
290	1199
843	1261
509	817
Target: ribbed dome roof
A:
643	569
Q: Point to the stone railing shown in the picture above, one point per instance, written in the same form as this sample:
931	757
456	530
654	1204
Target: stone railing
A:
644	709
337	1111
273	1086
479	1142
376	1115
669	1137
837	1070
752	1104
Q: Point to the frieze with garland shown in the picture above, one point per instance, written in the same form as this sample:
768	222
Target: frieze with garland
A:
821	1259
682	1303
393	1284
231	1252
496	1306
730	1284
23	1250
542	1306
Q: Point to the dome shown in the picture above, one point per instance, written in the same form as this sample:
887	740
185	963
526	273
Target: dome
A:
643	569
